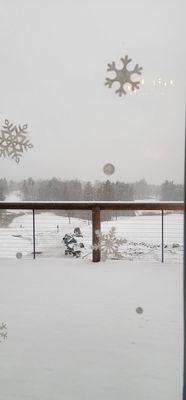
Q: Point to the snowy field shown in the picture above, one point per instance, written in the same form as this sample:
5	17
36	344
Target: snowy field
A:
142	232
74	333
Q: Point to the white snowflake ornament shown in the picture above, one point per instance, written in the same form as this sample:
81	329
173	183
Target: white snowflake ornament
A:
14	141
123	76
109	245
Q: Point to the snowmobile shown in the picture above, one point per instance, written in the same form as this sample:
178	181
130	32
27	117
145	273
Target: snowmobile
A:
73	244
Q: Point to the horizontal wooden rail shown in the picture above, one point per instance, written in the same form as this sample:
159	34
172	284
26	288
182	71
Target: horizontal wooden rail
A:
91	205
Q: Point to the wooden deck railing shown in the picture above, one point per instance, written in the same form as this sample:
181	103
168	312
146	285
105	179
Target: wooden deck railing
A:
95	207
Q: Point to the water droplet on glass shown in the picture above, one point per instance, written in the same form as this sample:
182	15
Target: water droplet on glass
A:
139	310
108	169
19	255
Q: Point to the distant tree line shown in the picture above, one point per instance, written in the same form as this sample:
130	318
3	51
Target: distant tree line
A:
3	189
171	192
76	190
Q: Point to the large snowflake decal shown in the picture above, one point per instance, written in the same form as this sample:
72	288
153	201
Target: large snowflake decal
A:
14	141
109	245
123	76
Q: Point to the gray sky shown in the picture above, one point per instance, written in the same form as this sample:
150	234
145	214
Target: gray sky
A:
54	56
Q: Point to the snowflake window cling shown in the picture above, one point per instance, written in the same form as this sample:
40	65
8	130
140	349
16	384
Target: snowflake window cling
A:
123	76
14	141
109	245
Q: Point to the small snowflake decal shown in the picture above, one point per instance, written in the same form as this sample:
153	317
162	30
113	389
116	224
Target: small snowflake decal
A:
3	331
109	245
14	141
123	76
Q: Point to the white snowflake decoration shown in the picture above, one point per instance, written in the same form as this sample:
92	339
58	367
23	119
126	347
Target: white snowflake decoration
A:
3	331
109	245
123	76
14	141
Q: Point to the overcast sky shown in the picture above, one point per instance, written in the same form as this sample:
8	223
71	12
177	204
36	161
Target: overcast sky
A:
54	56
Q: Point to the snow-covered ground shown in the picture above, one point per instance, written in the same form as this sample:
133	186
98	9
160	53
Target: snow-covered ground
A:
143	234
74	333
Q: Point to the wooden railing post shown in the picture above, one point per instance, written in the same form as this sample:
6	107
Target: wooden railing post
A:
96	229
